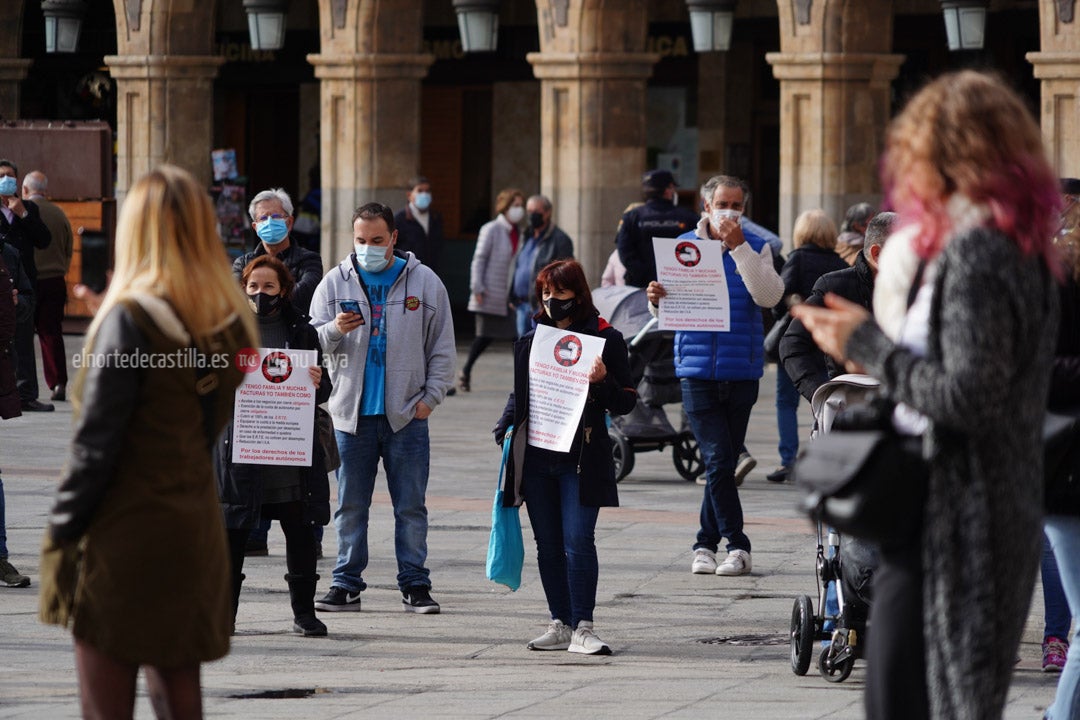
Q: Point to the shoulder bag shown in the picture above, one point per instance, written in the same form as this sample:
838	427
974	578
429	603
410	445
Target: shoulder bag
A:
863	478
506	550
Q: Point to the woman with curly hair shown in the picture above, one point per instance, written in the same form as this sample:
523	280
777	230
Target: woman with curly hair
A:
962	339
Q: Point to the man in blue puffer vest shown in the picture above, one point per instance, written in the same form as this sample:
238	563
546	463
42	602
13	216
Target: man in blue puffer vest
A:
719	371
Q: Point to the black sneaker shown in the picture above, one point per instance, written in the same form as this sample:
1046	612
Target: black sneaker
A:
339	600
417	600
310	626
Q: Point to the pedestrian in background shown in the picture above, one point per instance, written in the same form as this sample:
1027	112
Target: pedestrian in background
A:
545	242
9	408
564	491
420	229
962	338
137	499
659	216
52	263
814	240
489	278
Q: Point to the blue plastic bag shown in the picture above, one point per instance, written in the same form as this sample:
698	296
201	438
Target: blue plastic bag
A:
506	550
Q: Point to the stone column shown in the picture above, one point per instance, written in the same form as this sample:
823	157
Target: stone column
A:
12	72
833	111
163	114
1058	67
370	136
592	154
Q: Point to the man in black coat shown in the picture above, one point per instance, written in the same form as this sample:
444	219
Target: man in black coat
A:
658	217
22	228
806	365
419	228
271	213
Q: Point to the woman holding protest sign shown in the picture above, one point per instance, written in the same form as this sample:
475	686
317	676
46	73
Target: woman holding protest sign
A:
563	491
297	496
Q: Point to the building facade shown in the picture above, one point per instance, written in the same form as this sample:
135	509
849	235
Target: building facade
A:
579	99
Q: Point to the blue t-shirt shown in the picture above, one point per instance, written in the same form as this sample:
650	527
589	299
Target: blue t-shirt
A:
373	401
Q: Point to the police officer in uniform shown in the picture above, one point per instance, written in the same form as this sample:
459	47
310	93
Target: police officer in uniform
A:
658	217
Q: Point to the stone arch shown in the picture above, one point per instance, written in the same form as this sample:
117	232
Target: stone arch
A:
165	27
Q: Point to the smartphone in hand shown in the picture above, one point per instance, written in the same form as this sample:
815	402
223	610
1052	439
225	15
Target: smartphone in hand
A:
350	306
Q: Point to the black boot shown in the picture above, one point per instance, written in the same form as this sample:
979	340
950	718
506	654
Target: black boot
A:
302	599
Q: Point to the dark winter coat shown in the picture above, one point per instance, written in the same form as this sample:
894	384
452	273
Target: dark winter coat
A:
656	218
553	244
1065	381
426	246
10	405
982	386
807	366
614	394
240	485
25	234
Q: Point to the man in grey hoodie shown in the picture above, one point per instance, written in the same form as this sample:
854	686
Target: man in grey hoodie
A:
384	320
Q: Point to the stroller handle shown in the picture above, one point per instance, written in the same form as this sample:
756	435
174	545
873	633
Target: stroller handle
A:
653	322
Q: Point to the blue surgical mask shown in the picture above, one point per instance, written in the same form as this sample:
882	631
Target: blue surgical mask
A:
8	185
372	257
272	230
422	201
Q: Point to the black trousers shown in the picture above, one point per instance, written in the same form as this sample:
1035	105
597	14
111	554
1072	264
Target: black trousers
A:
299	545
895	651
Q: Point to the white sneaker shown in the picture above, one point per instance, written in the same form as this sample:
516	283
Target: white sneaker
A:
585	642
557	637
737	562
704	562
745	464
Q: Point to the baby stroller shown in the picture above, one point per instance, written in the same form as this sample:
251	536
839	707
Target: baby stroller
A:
652	367
849	565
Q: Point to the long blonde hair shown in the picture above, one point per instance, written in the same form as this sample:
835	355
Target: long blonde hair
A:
167	245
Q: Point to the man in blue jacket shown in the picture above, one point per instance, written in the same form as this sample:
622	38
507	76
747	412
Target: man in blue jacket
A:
719	371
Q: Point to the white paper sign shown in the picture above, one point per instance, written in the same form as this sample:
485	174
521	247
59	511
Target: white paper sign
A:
274	411
692	273
559	366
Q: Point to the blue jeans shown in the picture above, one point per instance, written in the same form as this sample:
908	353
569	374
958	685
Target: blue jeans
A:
564	532
523	318
406	457
1064	535
3	523
787	417
719	413
1055	605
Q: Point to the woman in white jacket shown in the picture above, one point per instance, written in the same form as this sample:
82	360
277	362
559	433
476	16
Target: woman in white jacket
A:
489	281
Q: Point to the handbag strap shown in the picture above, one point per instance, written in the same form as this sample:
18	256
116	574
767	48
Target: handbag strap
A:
505	456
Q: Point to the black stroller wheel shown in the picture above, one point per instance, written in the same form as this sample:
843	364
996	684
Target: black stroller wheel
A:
621	454
834	671
802	635
687	458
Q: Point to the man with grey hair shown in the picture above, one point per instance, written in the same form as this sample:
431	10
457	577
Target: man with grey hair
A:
805	364
52	262
271	214
850	240
544	243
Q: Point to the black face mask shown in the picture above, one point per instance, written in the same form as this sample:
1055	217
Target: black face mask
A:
559	309
264	304
536	220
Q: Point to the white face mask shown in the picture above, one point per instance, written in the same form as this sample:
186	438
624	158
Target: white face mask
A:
515	214
717	215
371	257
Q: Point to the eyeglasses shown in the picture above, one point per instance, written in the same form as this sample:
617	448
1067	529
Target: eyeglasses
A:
274	216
